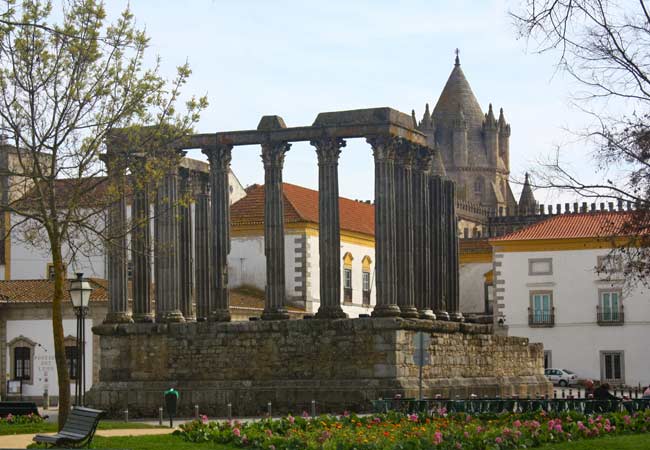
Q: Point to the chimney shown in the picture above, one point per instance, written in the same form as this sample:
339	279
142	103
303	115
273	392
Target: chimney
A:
575	207
610	205
602	206
593	207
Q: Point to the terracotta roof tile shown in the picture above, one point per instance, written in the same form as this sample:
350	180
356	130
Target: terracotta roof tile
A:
41	291
301	205
568	226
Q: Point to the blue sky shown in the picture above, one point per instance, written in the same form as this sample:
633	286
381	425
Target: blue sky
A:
297	58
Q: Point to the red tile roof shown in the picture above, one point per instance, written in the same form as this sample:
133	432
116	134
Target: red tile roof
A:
41	291
301	205
571	226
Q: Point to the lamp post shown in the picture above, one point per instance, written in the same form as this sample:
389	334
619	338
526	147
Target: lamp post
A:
80	290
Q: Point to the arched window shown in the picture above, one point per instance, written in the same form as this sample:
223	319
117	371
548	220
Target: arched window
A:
478	186
347	277
366	262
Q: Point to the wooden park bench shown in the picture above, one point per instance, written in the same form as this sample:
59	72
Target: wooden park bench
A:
18	409
79	429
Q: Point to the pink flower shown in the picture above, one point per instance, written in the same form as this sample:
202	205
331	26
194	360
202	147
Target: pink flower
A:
498	440
466	434
236	432
346	413
558	427
459	445
291	419
271	447
268	432
305	415
376	420
516	423
204	418
437	438
468	418
627	419
413	417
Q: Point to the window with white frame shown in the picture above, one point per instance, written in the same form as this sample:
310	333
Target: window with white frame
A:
540	311
610	308
608	265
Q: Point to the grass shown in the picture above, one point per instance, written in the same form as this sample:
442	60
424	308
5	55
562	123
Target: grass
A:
168	441
629	442
47	427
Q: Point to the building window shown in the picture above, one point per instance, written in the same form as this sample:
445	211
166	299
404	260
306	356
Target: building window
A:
347	285
608	265
541	312
478	186
548	361
22	363
610	307
50	271
612	367
540	266
72	357
366	288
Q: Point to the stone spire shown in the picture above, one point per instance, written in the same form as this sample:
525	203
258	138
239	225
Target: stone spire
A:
490	122
438	167
427	121
415	120
527	203
503	125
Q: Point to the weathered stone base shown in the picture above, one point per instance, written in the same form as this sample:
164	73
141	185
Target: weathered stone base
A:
342	364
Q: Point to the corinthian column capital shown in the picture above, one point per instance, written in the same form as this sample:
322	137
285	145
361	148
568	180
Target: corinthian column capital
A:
273	153
328	150
383	147
219	156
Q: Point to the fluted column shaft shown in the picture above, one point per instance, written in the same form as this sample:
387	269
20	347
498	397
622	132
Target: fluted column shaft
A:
383	148
202	250
116	254
166	249
186	264
220	157
329	233
404	228
273	158
438	256
422	234
454	287
141	246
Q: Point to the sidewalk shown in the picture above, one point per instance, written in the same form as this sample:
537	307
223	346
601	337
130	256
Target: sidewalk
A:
23	440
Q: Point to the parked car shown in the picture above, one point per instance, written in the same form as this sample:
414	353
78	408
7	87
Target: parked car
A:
563	377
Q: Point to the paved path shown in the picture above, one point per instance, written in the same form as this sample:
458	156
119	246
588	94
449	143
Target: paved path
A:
23	440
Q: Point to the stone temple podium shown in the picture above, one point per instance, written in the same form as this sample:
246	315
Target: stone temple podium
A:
339	362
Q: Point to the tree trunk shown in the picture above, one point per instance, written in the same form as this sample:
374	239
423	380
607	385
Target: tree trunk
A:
57	329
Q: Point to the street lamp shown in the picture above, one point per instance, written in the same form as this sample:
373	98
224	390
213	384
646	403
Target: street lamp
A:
80	290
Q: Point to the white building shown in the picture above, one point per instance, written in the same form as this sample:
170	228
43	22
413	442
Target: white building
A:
247	264
549	289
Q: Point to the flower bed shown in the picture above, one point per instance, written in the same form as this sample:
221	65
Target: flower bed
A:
412	432
10	419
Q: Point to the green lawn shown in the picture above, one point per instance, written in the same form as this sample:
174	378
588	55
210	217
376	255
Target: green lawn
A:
630	442
164	442
28	428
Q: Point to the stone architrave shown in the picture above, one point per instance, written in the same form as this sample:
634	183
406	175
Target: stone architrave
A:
219	158
383	148
422	234
186	266
273	158
166	254
141	244
452	227
405	153
116	255
329	232
202	248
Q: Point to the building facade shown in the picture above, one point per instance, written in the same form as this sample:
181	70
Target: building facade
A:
558	283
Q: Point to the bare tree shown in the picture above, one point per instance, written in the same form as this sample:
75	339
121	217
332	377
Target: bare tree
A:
604	45
65	88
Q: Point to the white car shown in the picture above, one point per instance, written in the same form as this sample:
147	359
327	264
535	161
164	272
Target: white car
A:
563	377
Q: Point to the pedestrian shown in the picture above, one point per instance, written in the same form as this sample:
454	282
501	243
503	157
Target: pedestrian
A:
589	388
602	392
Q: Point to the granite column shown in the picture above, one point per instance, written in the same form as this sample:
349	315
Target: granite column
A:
186	264
166	250
438	256
422	234
383	148
404	228
141	244
273	158
329	229
202	249
116	255
453	303
220	157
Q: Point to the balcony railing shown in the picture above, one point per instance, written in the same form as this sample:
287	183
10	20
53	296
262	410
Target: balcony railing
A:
541	318
347	295
607	317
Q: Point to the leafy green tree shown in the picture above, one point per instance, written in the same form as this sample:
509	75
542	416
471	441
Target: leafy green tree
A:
66	87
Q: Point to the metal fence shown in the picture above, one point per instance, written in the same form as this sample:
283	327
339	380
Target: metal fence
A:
513	405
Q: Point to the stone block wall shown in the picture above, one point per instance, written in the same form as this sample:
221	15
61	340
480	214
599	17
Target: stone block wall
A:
342	364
